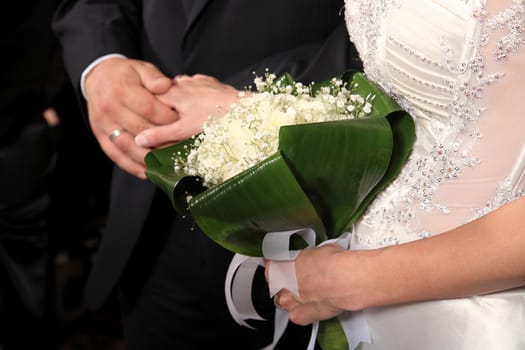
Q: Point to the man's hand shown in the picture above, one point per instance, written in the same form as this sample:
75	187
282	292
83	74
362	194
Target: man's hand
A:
196	99
120	96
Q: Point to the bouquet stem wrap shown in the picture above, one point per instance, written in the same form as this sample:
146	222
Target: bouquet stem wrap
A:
322	177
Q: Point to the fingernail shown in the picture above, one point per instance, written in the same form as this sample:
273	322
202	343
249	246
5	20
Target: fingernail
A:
141	140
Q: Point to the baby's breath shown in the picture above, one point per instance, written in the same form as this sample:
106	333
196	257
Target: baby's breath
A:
249	132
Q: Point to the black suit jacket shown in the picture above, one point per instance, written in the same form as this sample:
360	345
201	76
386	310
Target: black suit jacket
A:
228	39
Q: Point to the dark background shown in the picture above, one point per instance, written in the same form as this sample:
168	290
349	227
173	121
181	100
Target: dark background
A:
32	78
79	200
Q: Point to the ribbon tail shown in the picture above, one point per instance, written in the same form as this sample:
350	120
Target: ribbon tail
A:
237	289
355	328
280	324
313	336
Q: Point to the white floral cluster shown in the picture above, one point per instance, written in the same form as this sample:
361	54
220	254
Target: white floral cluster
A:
249	132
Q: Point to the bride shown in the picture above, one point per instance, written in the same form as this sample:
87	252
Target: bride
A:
438	260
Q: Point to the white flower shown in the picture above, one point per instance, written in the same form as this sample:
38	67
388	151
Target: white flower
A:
249	133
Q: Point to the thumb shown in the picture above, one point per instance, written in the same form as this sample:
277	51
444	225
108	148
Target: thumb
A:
153	79
158	136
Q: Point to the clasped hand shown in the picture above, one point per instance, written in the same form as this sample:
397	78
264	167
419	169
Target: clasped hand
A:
133	108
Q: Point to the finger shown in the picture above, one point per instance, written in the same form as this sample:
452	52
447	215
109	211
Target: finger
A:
168	134
307	313
303	315
120	147
126	144
170	97
151	110
299	313
287	299
106	119
181	77
119	157
204	77
111	112
152	78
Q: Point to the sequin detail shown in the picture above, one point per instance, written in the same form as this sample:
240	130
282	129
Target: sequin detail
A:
512	20
505	194
453	121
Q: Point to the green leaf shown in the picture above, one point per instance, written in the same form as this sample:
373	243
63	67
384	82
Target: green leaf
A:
337	163
403	131
265	198
160	170
331	335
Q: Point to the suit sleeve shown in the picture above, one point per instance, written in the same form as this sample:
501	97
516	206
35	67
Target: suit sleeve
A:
88	29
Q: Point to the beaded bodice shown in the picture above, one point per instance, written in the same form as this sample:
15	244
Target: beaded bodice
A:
458	67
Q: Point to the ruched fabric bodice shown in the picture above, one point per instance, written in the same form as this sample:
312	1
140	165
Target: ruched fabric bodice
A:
458	67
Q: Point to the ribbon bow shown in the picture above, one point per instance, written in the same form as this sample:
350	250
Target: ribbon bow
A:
239	279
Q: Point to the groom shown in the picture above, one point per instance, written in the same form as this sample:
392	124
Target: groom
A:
168	275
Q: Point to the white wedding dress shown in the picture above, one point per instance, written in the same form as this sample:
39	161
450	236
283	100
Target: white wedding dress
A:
458	66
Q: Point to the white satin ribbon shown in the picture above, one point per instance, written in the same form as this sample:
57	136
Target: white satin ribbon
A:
239	279
275	248
237	288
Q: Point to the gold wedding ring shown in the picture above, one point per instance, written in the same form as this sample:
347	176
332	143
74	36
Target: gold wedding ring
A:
116	133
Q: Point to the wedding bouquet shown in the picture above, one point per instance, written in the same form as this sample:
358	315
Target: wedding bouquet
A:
288	156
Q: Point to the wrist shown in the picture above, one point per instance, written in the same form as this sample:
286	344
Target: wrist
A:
89	69
361	285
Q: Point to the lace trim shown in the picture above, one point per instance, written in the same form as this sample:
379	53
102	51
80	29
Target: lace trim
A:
512	20
506	193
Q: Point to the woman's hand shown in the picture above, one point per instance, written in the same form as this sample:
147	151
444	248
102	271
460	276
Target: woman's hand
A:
322	283
196	99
